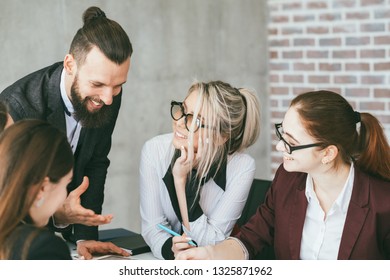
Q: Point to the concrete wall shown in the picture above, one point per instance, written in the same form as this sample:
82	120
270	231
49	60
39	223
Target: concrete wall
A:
175	41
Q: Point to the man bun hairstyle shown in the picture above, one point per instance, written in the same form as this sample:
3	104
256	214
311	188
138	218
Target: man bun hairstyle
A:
101	32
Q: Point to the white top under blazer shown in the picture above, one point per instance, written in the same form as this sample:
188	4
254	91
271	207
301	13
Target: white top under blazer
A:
221	208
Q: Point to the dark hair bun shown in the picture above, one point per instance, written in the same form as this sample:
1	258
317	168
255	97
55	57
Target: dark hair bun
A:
93	13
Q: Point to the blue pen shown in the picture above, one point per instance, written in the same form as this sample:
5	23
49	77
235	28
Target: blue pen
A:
174	233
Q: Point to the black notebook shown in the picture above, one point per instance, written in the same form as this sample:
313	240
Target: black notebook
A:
135	243
126	239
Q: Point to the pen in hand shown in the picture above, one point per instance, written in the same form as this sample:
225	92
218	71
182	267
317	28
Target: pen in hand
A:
174	233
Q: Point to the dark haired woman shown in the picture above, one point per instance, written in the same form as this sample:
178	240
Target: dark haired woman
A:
5	118
35	168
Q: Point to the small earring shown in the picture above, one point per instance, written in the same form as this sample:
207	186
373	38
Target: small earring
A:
39	202
324	161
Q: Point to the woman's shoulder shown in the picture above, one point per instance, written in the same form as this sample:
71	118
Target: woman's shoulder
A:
159	146
240	157
162	140
48	246
42	244
377	184
240	160
373	191
289	179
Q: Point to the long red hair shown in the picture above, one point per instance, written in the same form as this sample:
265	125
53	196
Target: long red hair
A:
330	119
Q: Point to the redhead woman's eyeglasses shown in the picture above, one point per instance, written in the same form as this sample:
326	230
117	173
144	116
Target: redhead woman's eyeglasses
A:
289	149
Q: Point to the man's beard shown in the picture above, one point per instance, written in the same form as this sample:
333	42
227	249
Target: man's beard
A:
87	118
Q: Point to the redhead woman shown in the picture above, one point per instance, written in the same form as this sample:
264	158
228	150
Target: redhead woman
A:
330	197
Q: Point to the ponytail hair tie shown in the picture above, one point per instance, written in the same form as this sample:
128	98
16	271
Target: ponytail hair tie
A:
357	117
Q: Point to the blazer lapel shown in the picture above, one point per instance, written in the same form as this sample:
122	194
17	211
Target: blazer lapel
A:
297	218
55	114
356	215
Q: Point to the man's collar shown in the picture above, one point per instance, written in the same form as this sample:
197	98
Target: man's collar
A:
68	106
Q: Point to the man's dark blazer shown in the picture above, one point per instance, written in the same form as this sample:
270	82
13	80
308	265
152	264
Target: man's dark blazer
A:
279	221
38	96
42	244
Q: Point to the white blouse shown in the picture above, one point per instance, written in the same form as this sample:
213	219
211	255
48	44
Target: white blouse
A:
221	209
321	237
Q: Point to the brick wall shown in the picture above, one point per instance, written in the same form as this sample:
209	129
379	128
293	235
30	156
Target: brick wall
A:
340	45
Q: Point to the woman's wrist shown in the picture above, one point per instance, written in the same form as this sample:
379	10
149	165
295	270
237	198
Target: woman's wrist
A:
210	252
179	180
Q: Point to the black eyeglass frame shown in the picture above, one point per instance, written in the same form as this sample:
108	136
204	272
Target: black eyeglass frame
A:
198	123
288	147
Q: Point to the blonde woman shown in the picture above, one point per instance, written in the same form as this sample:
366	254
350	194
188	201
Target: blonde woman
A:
196	180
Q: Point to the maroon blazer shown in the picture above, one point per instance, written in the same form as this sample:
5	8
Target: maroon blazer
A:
279	221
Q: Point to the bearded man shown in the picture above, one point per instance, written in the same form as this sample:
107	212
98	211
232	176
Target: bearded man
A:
81	96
